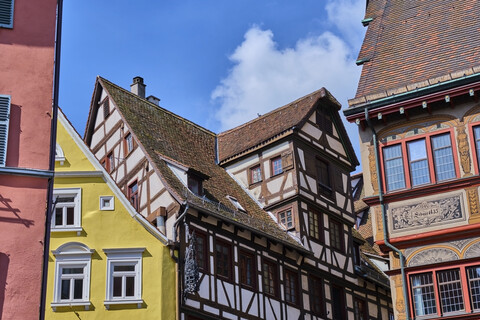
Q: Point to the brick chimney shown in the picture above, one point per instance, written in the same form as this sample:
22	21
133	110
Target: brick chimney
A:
138	87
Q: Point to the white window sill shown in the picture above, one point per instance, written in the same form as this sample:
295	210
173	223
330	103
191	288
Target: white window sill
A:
138	302
78	230
85	304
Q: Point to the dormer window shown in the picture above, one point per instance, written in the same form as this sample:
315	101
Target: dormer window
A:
195	185
237	204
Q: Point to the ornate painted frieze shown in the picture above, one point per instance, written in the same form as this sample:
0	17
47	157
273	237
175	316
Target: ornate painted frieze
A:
373	168
427	213
473	201
434	255
473	251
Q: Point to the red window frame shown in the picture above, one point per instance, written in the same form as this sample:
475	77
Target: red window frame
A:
431	165
223	260
109	162
246	263
255	174
133	194
269	278
476	156
274	165
464	283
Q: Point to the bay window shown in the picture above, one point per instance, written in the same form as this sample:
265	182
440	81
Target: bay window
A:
419	161
446	291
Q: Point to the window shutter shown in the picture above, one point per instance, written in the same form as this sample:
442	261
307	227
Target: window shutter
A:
4	116
6	13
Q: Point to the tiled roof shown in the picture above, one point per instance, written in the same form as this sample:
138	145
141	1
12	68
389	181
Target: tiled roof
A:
410	42
273	124
165	135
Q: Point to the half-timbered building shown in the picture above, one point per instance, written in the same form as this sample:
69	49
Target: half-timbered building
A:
260	217
418	114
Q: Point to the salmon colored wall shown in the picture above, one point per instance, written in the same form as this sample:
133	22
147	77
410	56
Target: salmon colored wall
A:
26	64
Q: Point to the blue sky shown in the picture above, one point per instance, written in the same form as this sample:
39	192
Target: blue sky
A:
216	63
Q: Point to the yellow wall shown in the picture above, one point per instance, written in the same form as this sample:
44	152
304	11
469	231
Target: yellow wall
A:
110	229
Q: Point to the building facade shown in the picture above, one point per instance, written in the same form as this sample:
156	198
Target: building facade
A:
105	260
418	114
262	224
27	50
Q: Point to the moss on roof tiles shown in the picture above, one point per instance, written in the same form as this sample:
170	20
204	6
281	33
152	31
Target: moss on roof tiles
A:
165	134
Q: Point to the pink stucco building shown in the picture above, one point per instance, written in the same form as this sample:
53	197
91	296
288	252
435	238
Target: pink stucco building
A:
27	60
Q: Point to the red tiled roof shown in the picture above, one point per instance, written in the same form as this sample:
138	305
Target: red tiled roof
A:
412	41
268	126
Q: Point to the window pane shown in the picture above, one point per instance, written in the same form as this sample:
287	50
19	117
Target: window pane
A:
423	294
78	289
417	153
130	287
277	166
65	199
443	157
70	216
394	167
474	281
124	268
58	216
72	271
476	132
117	286
450	290
65	291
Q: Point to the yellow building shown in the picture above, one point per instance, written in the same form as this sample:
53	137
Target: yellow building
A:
105	260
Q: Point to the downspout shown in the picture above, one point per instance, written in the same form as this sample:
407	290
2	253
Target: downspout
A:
177	259
53	141
384	215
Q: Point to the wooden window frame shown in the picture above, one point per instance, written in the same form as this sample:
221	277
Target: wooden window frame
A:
319	231
128	136
341	302
109	162
203	262
316	294
324	178
252	174
193	178
272	283
272	166
228	259
324	121
337	241
242	270
133	195
360	314
106	108
430	158
280	220
292	297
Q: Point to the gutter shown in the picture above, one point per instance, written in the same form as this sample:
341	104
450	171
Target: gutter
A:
26	172
466	80
53	141
384	214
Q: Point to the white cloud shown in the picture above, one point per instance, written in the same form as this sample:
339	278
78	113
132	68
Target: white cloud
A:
265	77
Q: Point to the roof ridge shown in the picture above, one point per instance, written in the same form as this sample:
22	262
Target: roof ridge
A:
159	107
272	112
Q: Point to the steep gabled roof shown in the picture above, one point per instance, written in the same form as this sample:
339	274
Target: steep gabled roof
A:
278	122
167	137
410	42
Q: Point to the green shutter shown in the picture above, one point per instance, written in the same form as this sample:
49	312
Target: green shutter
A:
6	13
4	117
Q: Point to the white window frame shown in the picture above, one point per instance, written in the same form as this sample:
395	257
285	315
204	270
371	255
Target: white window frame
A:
77	213
124	256
111	203
70	255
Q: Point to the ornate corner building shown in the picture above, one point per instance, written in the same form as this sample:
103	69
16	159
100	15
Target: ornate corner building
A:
418	114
